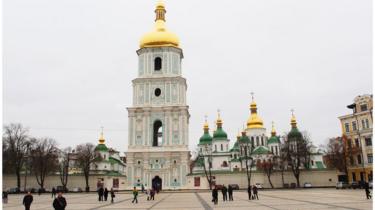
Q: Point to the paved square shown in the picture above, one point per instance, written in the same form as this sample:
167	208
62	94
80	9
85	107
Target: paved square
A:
268	199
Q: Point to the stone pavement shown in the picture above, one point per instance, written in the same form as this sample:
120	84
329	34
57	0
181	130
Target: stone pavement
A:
268	199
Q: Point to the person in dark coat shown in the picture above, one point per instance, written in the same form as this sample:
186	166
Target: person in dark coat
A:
105	194
112	195
215	195
255	191
230	193
100	193
367	190
27	200
59	203
249	191
53	192
143	188
152	194
224	191
5	196
135	195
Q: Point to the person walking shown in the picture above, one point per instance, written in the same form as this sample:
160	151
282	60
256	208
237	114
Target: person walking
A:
215	196
112	195
255	191
105	194
135	195
100	193
224	192
152	194
148	191
367	190
249	191
53	192
27	200
5	196
143	188
59	203
230	193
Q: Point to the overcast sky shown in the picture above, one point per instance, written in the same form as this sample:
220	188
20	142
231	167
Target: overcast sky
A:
68	64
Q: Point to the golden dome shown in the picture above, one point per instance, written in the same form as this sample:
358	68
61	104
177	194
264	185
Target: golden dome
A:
254	120
101	138
273	131
160	36
293	121
205	126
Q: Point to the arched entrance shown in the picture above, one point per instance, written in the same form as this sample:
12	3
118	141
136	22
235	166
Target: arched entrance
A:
157	183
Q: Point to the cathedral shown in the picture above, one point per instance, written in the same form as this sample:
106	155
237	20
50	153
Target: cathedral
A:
158	154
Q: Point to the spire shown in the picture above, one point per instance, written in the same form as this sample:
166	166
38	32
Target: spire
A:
160	11
101	138
273	131
254	120
253	105
205	126
293	121
219	121
238	135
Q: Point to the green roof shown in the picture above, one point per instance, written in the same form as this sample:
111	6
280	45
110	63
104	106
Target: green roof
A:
220	134
113	160
235	147
261	150
294	134
101	147
244	139
114	173
206	138
273	139
319	165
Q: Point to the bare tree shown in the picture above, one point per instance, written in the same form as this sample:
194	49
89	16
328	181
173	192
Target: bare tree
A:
15	141
268	166
85	156
64	166
206	154
44	153
335	154
297	152
246	151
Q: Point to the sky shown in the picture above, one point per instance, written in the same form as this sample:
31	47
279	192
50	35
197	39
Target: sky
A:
68	65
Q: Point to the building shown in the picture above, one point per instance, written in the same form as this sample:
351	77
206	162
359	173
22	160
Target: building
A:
158	153
357	137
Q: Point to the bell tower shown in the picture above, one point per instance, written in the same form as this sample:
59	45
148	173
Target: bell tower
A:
159	116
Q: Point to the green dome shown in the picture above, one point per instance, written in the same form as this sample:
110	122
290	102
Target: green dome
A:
244	139
205	139
261	150
294	134
101	147
220	134
273	139
235	147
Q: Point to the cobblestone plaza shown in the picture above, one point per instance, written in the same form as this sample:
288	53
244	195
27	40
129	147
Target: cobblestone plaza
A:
268	199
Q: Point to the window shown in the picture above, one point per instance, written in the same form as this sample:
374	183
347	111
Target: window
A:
369	158
364	107
157	64
157	92
347	127
252	139
262	140
197	181
257	140
272	150
139	162
363	124
224	164
367	124
215	147
354	126
368	141
158	133
312	162
221	147
356	142
359	159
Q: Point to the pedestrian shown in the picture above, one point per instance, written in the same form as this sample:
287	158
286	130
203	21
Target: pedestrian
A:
53	192
105	194
230	193
143	188
59	203
224	192
112	195
249	191
152	194
39	191
215	196
135	194
255	191
367	190
100	193
5	197
27	200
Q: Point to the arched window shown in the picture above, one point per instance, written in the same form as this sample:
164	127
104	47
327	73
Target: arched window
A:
262	141
225	164
158	133
215	147
221	147
257	140
157	64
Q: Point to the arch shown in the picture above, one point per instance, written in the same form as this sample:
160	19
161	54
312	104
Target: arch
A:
221	147
158	134
157	64
157	183
224	164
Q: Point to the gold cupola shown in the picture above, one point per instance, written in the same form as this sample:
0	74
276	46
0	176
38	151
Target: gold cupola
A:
273	131
101	138
254	120
293	121
160	36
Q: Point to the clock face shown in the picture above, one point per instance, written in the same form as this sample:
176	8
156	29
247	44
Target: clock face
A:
157	92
